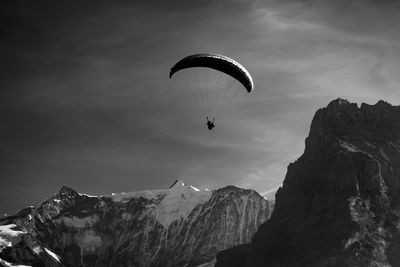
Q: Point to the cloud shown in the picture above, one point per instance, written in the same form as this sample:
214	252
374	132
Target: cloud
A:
87	97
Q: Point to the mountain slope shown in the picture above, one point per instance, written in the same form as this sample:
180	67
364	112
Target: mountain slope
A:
179	226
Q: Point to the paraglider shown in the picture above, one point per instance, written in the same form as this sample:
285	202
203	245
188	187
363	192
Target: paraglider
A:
216	62
210	124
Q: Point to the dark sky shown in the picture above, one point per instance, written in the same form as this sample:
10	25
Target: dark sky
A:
85	98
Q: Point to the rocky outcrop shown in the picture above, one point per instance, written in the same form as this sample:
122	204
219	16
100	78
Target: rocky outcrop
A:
339	203
179	226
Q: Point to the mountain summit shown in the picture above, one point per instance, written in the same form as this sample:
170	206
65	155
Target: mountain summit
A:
340	201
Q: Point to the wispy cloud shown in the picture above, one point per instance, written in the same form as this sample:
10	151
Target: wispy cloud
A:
86	96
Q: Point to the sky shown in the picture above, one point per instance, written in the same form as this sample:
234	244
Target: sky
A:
86	101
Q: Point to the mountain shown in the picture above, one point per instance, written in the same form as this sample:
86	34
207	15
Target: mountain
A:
270	196
340	201
179	226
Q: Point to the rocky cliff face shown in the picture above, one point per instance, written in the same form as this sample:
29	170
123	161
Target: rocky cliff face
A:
339	203
180	226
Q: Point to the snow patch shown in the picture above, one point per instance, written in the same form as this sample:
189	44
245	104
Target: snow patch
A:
37	250
53	255
8	237
194	188
90	241
79	222
126	196
81	194
179	202
8	264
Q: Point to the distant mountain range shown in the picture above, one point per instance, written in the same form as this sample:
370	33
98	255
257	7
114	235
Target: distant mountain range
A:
179	226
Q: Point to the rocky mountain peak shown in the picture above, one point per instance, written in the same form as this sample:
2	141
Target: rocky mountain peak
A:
342	117
340	201
66	191
65	198
340	105
177	183
363	126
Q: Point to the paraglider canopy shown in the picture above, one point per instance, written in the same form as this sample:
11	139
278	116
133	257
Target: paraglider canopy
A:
222	64
217	62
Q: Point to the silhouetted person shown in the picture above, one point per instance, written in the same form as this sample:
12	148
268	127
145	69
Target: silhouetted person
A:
210	124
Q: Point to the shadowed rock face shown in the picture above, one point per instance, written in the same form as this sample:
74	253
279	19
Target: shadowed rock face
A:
136	229
339	203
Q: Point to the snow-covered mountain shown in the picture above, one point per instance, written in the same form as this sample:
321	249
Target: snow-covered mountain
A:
179	226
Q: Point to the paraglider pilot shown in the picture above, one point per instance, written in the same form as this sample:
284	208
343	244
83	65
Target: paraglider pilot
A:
210	124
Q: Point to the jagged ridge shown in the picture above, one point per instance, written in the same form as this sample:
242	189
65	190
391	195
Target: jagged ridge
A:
180	226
